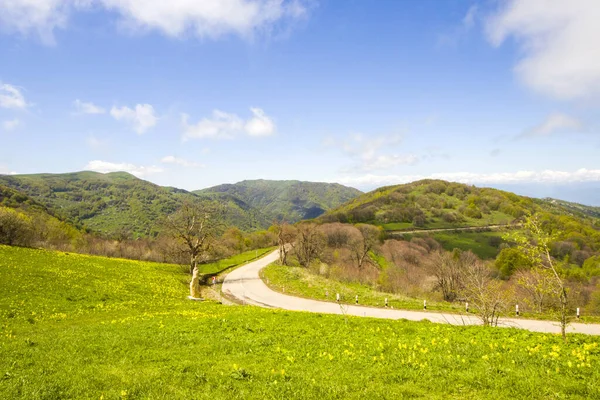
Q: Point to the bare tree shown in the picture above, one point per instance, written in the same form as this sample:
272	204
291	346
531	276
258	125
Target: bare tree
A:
446	268
286	235
370	237
539	284
484	293
195	226
309	244
535	242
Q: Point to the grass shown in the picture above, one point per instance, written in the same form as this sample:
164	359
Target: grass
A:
493	218
298	281
75	326
477	242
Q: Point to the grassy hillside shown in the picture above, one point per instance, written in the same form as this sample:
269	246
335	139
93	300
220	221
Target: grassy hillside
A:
88	327
432	204
118	202
288	200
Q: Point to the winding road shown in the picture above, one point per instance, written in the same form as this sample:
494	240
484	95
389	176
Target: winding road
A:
245	285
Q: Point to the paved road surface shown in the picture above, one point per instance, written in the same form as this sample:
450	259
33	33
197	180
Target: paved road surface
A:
245	284
463	229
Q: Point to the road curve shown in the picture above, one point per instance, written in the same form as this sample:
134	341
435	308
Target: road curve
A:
245	285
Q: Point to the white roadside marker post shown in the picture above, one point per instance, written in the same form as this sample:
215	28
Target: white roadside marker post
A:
577	312
356	299
424	304
467	307
337	297
386	302
517	309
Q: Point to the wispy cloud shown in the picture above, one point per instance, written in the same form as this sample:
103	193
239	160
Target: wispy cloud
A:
5	171
180	161
372	153
11	96
96	143
545	176
554	124
558	41
455	35
175	18
87	108
260	124
223	125
142	117
137	170
10	125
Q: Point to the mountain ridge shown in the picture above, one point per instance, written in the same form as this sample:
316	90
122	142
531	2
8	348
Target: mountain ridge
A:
291	200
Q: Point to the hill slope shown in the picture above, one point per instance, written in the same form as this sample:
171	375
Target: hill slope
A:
111	328
289	200
439	204
116	202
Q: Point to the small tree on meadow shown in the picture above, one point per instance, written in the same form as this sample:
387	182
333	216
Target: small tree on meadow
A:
484	293
195	226
535	242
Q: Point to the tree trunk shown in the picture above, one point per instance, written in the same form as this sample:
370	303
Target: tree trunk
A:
195	283
563	313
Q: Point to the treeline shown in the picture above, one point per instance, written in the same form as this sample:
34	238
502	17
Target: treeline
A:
33	227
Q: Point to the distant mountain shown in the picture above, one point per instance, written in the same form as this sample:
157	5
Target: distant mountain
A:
288	200
116	202
579	192
576	208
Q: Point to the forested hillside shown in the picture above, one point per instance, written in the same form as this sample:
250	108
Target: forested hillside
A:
288	200
117	204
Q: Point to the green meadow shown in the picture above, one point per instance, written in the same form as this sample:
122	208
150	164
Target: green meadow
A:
83	327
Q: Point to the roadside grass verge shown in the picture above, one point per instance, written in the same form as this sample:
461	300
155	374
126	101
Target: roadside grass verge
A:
298	281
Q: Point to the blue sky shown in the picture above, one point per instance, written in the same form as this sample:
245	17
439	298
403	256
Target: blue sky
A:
197	93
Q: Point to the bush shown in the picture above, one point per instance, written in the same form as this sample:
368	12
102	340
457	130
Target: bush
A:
15	228
509	260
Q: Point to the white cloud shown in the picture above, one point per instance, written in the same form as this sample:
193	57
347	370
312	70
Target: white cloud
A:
87	108
558	42
10	125
555	123
260	124
366	151
105	166
180	161
141	118
176	18
11	96
41	17
222	125
546	176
